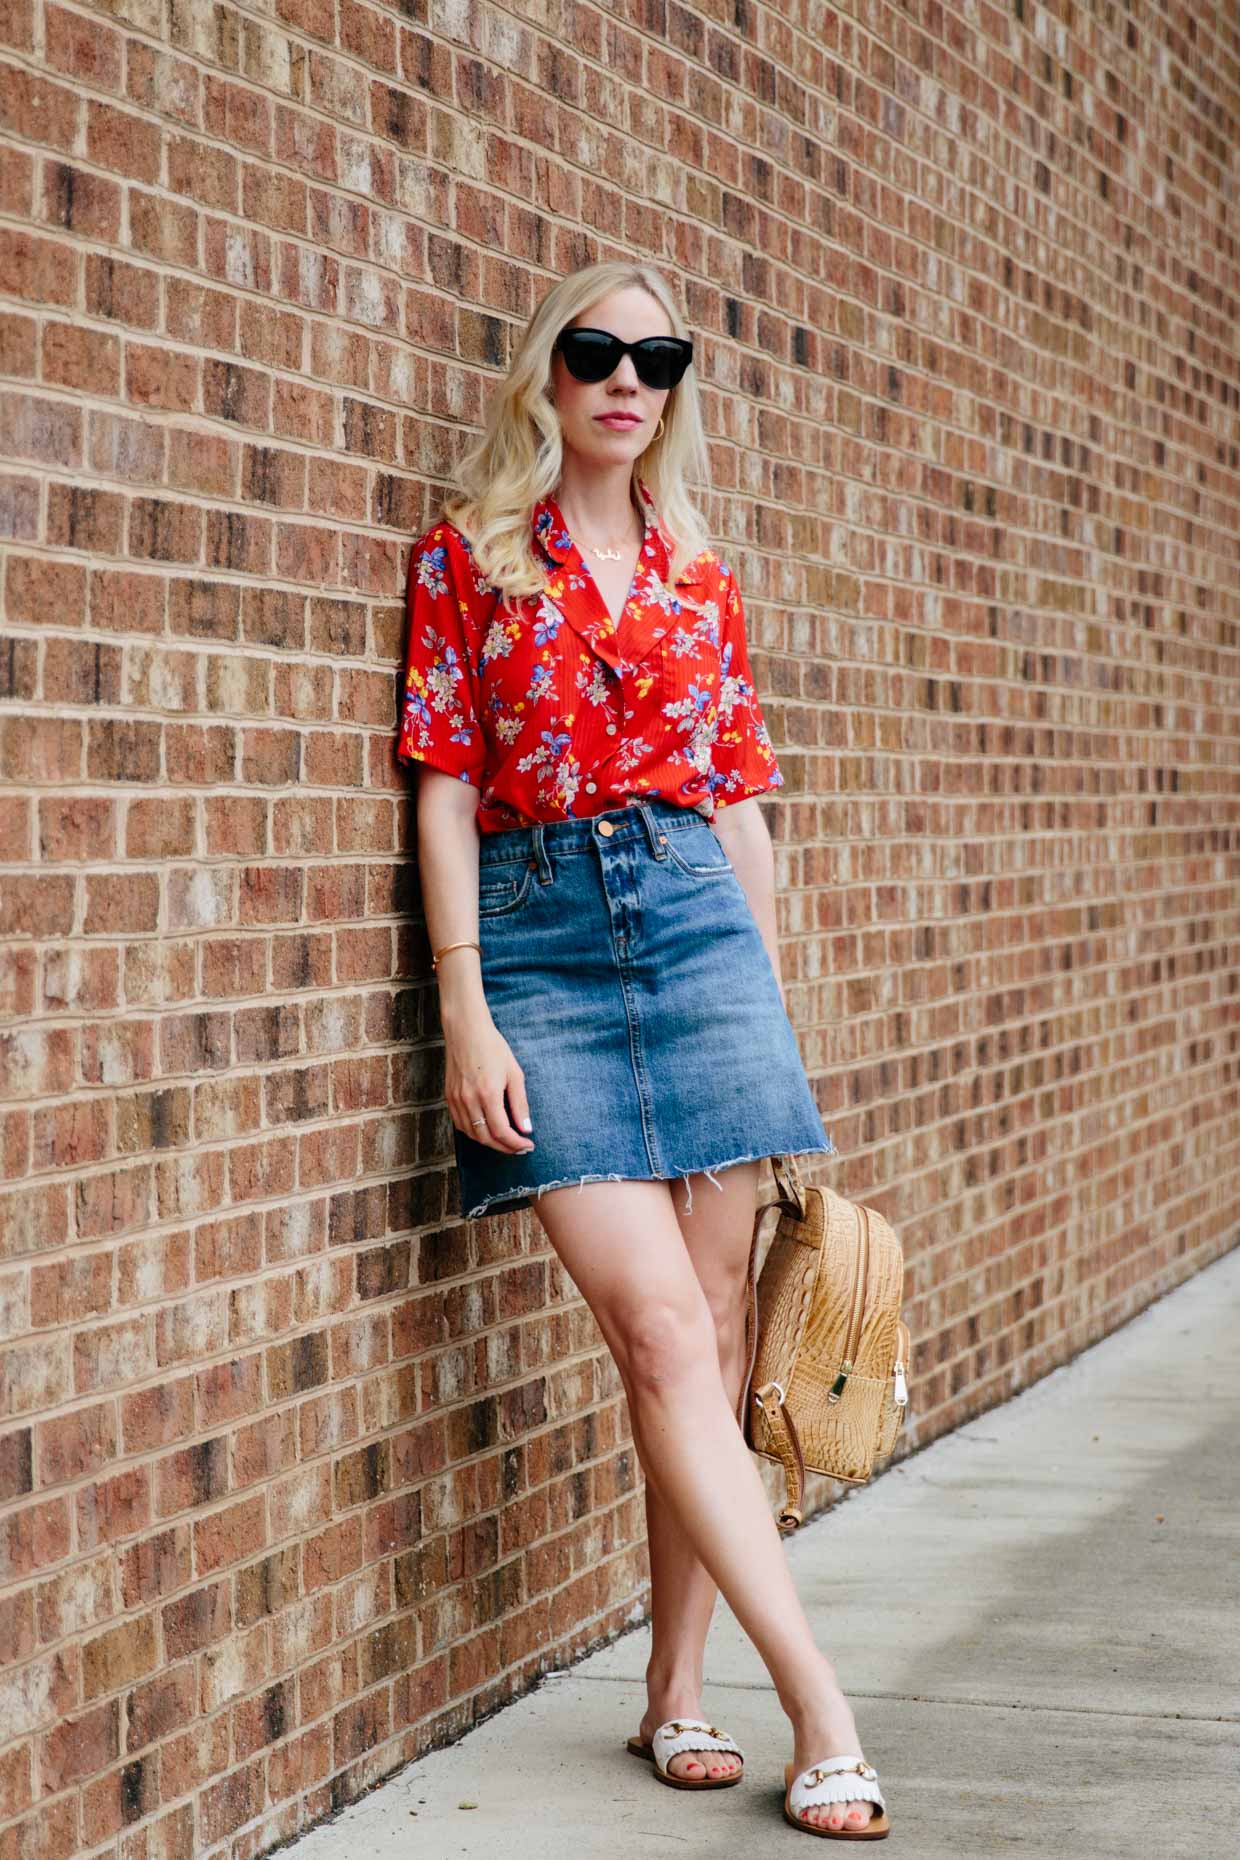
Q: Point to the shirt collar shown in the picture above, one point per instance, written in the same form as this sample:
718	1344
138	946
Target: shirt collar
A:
551	534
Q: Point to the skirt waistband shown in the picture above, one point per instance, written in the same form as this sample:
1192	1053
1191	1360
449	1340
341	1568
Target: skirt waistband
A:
645	816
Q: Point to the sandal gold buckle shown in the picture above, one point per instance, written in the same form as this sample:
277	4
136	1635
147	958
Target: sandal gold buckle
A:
844	1769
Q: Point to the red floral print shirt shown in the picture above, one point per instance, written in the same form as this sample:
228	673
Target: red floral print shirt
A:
555	711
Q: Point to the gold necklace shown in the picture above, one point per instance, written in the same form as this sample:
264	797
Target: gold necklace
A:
611	553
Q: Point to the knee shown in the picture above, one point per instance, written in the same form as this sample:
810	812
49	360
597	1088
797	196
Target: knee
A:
664	1345
725	1300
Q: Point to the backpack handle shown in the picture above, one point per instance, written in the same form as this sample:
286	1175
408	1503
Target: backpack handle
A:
789	1187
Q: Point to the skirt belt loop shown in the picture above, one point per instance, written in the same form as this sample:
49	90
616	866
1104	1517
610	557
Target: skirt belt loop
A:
652	830
541	855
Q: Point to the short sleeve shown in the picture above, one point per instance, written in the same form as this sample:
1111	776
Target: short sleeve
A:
742	759
439	708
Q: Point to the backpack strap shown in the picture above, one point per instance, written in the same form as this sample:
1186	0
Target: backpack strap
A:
770	1399
791	1195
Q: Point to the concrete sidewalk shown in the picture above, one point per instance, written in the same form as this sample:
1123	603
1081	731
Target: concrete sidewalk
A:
1036	1661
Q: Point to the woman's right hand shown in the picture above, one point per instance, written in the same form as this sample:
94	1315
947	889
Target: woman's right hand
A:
481	1067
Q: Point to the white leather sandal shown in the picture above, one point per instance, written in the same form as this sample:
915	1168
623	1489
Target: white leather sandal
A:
682	1734
836	1779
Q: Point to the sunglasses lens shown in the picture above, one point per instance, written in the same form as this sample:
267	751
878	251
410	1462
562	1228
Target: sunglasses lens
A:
590	354
661	361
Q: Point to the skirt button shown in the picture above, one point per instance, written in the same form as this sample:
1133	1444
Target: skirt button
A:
605	827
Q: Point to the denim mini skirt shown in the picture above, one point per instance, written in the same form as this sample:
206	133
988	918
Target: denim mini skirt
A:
623	965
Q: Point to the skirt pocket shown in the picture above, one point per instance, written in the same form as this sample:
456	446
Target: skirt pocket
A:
502	888
702	856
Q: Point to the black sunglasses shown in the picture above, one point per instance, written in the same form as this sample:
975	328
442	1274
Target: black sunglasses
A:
594	354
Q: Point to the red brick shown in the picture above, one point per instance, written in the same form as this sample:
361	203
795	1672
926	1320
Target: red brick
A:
120	1798
36	428
265	1719
160	79
19	495
200	315
205	174
228	1536
193	1476
38	749
123	144
84	518
35	1537
160	1706
271	334
153	1267
50	1833
114	1202
124	602
114	1508
298	1764
16	1463
190	1185
123	292
35	1374
171	1837
88	360
16	1789
197	1620
226	1805
33	583
234	393
230	1669
80	1747
119	905
154	1417
77	1599
195	1327
194	753
199	463
155	1567
34	108
165	378
86	49
119	1657
76	1445
331	1554
237	825
15	1140
164	531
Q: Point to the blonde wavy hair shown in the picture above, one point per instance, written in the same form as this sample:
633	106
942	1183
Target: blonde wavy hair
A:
516	461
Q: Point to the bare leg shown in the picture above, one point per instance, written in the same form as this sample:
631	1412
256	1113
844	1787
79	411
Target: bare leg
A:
716	1233
622	1245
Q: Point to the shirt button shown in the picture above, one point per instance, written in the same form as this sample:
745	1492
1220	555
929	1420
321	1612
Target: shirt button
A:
606	828
611	729
591	787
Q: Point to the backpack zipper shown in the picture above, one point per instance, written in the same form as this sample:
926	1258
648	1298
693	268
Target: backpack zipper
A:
900	1393
858	1310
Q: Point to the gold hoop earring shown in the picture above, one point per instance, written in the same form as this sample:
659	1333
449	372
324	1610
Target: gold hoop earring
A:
658	431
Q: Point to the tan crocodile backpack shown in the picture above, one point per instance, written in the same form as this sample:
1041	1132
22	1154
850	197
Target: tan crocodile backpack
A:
826	1349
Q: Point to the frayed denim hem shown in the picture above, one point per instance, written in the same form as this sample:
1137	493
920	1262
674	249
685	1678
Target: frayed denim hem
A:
524	1196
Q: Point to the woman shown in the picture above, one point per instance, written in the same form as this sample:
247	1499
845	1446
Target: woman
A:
598	888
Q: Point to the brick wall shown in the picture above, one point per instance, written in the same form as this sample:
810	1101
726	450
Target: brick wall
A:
298	1473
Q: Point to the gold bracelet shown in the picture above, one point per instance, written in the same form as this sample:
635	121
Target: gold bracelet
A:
443	950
